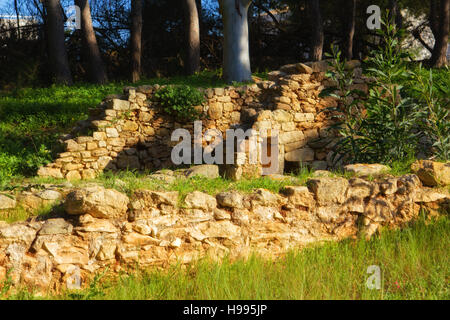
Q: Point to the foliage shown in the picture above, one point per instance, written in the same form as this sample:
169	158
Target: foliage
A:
387	126
348	116
433	109
32	120
180	101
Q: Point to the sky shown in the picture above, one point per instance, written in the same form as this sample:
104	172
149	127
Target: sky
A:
4	3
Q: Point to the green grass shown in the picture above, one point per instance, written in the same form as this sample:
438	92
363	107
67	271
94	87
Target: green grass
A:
413	261
21	214
33	119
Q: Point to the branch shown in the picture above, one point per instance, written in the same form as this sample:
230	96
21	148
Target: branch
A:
270	14
418	36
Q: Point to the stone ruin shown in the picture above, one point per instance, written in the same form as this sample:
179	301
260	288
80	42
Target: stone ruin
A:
131	131
97	228
104	228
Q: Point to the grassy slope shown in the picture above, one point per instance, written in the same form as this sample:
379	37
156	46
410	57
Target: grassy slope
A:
413	261
32	119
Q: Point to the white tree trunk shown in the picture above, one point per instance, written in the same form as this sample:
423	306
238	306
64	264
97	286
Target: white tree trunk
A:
236	52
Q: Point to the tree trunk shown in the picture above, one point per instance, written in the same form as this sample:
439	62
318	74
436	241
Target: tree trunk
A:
136	39
434	16
56	48
96	68
439	56
192	23
16	8
317	37
349	27
395	14
236	51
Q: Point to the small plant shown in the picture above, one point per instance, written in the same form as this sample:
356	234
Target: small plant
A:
385	127
180	102
433	108
349	114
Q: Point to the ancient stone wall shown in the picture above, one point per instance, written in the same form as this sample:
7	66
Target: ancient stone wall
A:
101	228
131	131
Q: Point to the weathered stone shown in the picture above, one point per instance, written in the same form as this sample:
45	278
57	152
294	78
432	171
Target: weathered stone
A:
206	170
220	229
200	200
137	239
154	198
66	254
328	190
17	233
220	214
50	195
360	189
303	117
120	105
363	169
281	116
112	133
294	145
215	110
302	155
429	195
432	173
130	126
265	213
7	202
88	174
290	137
303	68
230	199
96	201
299	196
73	146
73	175
55	226
50	172
264	197
91	224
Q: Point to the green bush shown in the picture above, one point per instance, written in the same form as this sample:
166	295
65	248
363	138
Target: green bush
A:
179	101
385	127
433	107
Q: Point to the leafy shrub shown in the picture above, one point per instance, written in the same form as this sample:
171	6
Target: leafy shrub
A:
180	101
433	108
385	126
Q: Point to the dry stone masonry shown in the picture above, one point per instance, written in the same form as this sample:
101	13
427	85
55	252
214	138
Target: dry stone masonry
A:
98	228
132	131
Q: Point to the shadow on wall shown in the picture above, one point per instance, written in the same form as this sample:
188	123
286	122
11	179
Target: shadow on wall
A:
132	131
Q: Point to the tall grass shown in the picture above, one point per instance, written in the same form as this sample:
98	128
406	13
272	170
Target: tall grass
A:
413	261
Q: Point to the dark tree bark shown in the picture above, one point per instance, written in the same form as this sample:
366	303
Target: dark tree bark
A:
136	39
96	67
192	22
317	36
349	13
439	56
434	16
56	48
16	8
395	14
